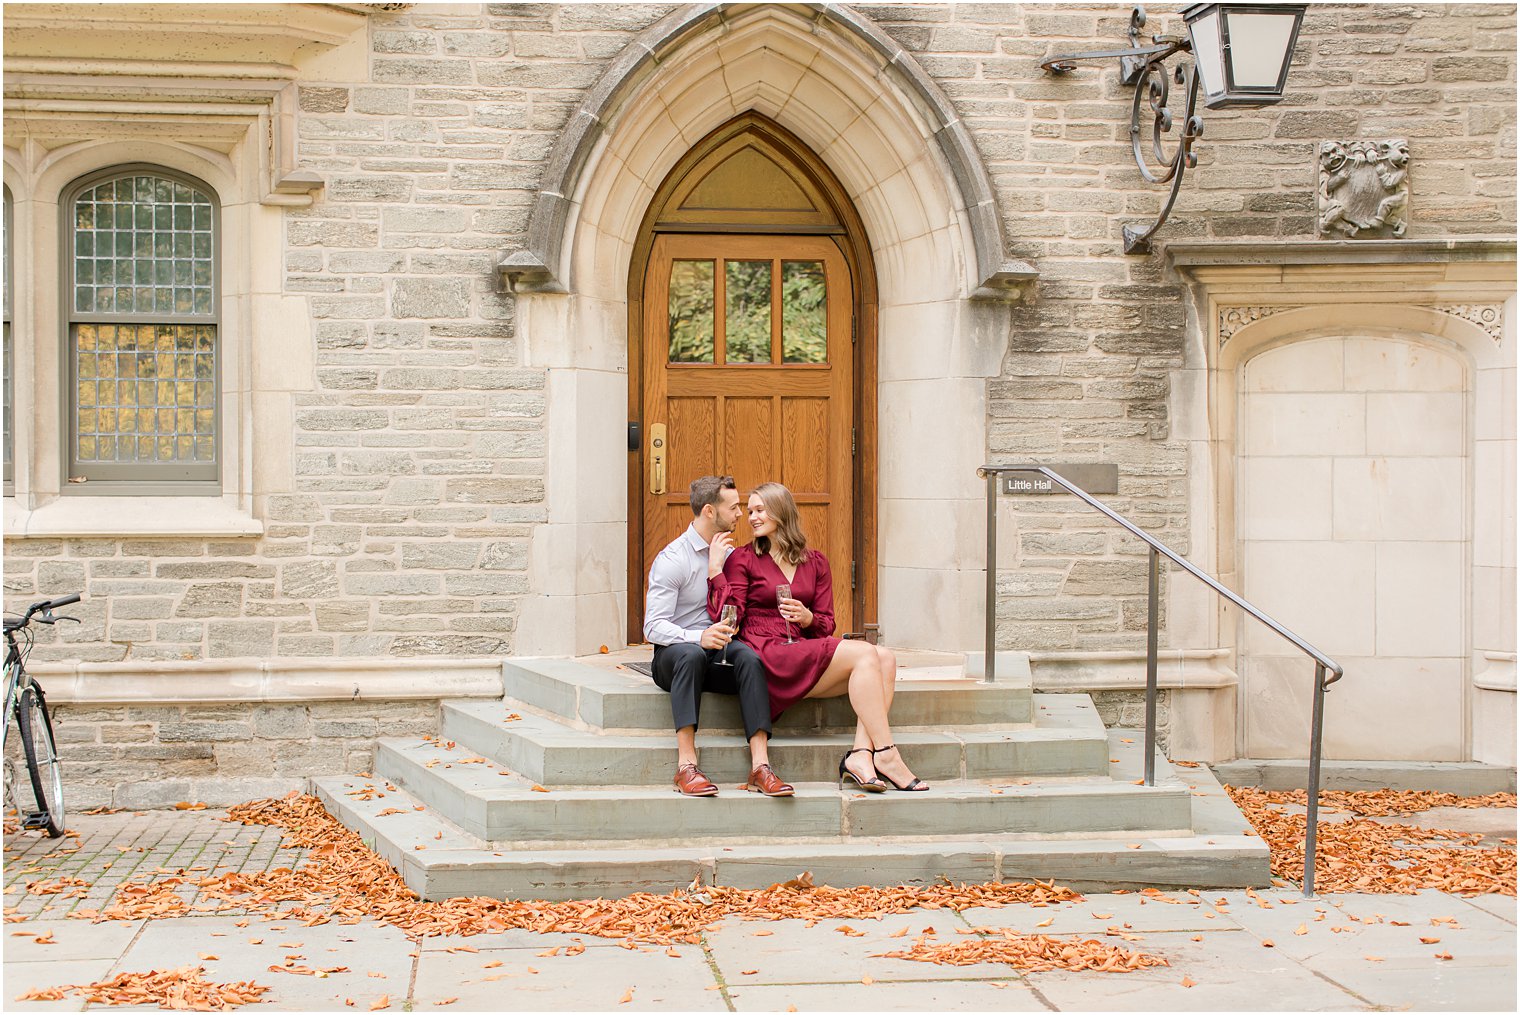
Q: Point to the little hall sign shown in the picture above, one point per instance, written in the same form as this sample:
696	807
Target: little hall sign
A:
1092	478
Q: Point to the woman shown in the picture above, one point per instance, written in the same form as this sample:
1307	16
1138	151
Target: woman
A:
815	664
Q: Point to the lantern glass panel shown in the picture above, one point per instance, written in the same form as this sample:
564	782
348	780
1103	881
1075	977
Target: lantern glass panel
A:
1258	47
1208	53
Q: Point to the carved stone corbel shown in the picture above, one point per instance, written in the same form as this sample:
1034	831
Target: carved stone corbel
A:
1363	188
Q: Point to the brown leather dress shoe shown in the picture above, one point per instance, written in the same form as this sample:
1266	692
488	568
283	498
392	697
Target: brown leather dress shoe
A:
765	780
691	782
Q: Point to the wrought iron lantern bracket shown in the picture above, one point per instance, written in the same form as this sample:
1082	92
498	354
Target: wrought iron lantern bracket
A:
1143	67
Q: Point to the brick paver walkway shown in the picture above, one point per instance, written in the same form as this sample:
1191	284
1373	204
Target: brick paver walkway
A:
110	849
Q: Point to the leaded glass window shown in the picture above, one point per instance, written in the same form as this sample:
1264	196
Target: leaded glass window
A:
143	308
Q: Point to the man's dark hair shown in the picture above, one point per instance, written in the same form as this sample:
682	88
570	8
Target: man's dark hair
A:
705	490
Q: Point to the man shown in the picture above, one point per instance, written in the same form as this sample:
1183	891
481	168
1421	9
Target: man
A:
687	647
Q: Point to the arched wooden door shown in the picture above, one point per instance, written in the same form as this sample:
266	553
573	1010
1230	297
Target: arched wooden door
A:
746	354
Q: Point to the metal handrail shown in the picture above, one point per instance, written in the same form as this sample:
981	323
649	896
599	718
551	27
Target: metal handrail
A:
1158	549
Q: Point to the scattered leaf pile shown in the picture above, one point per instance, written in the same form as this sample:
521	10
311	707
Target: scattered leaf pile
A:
1358	855
1035	952
63	887
180	989
1380	803
343	880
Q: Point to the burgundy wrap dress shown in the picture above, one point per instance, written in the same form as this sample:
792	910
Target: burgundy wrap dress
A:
749	582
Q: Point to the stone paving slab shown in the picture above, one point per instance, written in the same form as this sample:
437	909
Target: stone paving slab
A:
812	968
1229	971
788	951
918	996
23	977
364	948
595	980
71	941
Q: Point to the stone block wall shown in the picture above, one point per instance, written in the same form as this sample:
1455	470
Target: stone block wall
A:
417	464
1086	375
159	755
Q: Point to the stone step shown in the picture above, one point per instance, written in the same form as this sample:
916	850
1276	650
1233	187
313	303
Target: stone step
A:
501	808
1066	739
454	862
621	699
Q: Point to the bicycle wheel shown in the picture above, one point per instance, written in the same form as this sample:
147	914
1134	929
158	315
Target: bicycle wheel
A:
42	759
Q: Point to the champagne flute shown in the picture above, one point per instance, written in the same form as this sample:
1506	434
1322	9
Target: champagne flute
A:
728	618
785	592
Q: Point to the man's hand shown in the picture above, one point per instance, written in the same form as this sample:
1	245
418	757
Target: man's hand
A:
717	636
717	553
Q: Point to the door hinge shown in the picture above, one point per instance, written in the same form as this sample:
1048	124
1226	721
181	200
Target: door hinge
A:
852	574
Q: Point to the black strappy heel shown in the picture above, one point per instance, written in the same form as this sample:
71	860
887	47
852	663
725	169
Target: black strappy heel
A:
916	786
869	785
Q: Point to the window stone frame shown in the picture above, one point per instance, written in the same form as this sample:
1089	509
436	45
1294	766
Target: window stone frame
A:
137	478
39	505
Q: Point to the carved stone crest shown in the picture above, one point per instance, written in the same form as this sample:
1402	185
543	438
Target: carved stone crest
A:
1363	188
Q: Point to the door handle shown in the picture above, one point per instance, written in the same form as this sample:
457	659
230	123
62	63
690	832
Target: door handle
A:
657	452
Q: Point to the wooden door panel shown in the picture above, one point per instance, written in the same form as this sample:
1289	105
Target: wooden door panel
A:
804	435
704	381
694	421
815	522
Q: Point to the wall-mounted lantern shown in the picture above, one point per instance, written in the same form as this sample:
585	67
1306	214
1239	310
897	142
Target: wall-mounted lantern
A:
1241	54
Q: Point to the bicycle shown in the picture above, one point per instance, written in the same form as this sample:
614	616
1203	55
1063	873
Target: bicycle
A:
25	702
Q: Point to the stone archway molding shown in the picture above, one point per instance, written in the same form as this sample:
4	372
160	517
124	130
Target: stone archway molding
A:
538	266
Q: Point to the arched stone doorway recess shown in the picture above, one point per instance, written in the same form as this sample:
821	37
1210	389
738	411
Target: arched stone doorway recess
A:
751	233
1364	497
905	163
1370	363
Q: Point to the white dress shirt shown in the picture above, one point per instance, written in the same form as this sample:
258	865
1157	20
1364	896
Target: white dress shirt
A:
675	608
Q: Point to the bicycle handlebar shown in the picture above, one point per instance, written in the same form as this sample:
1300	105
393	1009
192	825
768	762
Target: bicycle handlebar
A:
45	607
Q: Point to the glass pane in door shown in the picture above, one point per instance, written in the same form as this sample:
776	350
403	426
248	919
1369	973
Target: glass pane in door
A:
804	319
691	311
747	326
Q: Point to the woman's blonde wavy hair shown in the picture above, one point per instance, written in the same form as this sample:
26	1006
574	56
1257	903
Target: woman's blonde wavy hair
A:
791	544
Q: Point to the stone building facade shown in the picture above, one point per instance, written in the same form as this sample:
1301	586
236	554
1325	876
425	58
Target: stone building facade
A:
427	221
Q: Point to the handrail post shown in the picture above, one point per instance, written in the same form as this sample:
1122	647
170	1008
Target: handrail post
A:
1152	636
989	664
1311	826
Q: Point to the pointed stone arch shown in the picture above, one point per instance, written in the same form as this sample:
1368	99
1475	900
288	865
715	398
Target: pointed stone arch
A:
907	167
542	264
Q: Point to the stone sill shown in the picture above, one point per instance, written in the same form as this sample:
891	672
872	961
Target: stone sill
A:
225	681
103	517
1176	669
1232	253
